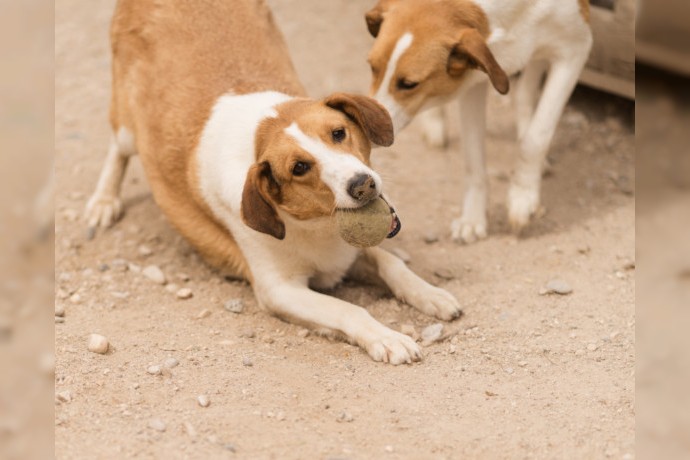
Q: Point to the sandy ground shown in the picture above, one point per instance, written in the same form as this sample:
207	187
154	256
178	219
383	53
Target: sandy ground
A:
521	375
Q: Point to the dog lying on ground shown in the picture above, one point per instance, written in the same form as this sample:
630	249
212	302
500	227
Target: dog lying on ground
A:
248	168
427	51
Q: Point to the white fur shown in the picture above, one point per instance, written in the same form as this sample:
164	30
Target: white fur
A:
337	168
312	251
529	36
398	114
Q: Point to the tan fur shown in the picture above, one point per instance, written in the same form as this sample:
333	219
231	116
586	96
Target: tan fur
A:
163	91
421	63
584	9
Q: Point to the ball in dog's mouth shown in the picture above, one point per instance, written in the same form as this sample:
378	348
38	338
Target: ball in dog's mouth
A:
369	225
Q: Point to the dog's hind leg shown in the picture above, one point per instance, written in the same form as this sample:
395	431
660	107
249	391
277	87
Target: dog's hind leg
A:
104	207
523	195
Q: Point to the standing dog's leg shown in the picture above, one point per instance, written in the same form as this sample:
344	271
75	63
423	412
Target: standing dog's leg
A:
523	196
472	224
104	207
410	288
295	301
434	127
526	94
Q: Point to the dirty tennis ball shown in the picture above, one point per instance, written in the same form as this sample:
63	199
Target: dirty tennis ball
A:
366	226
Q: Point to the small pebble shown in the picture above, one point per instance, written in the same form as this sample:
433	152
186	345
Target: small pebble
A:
247	361
183	277
75	298
172	288
98	344
556	286
157	424
401	254
388	449
154	370
248	333
234	305
144	250
184	293
430	237
432	333
154	273
203	314
592	347
64	396
170	363
303	333
344	417
444	273
203	400
59	320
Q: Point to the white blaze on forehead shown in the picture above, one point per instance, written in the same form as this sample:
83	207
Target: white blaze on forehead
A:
397	112
337	168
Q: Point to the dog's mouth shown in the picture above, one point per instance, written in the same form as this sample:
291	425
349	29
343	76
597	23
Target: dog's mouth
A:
396	225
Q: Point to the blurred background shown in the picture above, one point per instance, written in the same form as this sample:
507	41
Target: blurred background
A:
657	75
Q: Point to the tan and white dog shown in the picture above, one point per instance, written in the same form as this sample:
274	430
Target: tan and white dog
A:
427	51
246	167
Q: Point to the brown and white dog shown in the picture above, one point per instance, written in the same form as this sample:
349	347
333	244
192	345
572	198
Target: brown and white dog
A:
246	167
427	51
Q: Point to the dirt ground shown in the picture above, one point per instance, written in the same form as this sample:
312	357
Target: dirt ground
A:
521	376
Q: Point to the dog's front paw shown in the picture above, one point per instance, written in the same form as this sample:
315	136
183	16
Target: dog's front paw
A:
523	203
102	211
468	230
393	347
437	302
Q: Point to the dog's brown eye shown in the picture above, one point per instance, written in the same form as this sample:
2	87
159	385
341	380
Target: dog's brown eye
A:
405	84
300	168
338	135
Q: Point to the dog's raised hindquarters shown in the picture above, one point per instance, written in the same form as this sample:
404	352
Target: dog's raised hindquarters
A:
248	168
427	51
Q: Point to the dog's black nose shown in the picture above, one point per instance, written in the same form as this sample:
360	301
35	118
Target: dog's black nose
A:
362	187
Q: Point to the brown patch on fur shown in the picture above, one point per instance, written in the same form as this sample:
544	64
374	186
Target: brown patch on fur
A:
584	9
437	27
371	116
171	62
471	51
258	197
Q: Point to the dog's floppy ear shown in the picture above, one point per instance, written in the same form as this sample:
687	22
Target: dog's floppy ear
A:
258	210
374	16
471	51
371	116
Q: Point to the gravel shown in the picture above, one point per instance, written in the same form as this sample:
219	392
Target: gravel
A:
154	370
184	293
98	344
203	400
556	286
154	273
64	396
234	305
430	237
247	361
344	417
432	333
157	424
170	363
